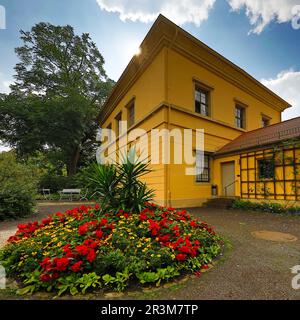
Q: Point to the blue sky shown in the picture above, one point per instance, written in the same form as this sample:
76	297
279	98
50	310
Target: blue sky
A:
257	35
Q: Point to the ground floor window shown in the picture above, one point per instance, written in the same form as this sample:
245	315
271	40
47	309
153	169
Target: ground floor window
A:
202	167
266	169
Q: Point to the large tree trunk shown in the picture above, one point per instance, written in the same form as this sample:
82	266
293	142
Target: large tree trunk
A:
72	166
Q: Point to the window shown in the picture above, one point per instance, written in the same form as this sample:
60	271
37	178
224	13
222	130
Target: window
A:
202	163
240	118
109	134
265	122
266	169
202	98
130	114
118	119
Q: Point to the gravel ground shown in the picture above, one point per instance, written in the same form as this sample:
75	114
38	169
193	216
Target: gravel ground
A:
252	269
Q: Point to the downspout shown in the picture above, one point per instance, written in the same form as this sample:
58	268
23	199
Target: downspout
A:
167	166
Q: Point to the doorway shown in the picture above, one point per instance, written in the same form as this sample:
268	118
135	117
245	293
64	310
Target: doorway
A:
228	179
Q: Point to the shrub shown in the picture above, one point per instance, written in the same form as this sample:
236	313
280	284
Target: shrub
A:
271	207
118	186
18	184
85	249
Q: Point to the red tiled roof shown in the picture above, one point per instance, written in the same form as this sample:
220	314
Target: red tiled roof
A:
277	132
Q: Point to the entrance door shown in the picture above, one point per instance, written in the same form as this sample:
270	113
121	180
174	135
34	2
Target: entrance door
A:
228	179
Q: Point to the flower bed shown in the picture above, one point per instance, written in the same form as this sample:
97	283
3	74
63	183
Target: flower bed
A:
85	249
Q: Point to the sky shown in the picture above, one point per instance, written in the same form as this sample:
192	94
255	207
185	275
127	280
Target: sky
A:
260	36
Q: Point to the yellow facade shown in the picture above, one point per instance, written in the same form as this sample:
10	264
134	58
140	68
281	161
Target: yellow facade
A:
161	82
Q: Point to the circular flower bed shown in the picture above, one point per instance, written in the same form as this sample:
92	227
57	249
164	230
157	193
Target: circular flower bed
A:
85	249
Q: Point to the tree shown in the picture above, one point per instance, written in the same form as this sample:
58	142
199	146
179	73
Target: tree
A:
60	86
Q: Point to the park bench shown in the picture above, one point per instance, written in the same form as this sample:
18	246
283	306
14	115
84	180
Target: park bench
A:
69	193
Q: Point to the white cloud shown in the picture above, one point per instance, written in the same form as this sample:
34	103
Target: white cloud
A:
262	12
287	84
179	11
4	84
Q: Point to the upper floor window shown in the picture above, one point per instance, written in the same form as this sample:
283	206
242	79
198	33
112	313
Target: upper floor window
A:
118	119
202	100
265	122
240	116
202	165
131	114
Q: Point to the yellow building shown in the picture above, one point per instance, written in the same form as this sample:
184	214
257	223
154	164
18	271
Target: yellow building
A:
177	82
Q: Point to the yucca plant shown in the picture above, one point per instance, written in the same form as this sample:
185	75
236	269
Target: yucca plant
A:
133	193
118	186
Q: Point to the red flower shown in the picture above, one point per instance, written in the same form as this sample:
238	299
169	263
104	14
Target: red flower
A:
90	243
60	216
180	257
165	238
198	274
184	249
82	249
83	229
46	264
76	266
55	275
61	263
143	216
45	277
110	226
103	222
47	221
67	251
91	256
12	238
126	215
22	226
99	234
193	224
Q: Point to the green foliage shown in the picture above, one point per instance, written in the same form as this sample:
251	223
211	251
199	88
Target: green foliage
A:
161	274
118	186
102	182
18	184
55	101
271	207
111	261
119	281
56	183
133	193
75	284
